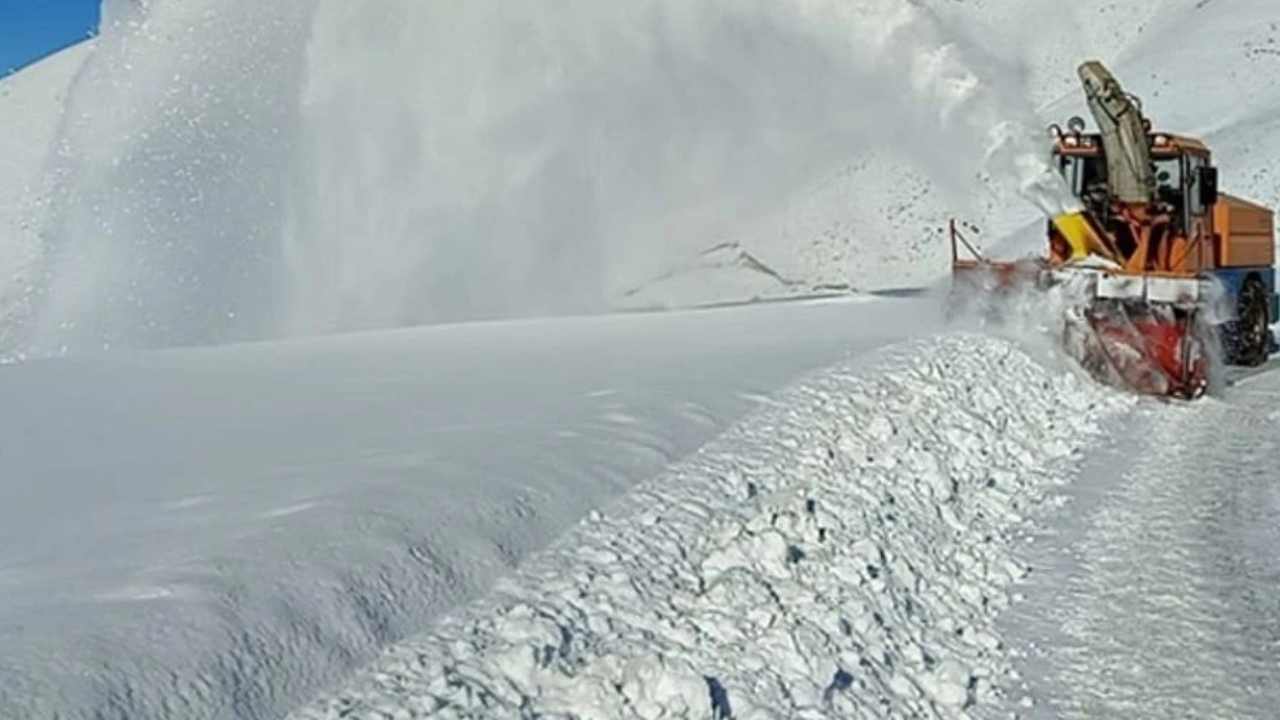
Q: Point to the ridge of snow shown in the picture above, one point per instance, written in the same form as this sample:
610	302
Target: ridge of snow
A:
841	553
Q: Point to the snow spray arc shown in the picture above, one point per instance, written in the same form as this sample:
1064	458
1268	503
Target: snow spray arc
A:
239	170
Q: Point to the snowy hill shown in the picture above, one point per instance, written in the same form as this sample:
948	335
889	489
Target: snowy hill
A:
236	529
31	105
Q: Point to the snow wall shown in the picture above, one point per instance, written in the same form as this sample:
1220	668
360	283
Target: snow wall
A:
237	170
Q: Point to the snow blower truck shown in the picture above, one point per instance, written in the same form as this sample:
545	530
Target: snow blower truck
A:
1169	275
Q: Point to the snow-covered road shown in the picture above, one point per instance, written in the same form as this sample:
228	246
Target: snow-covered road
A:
1158	586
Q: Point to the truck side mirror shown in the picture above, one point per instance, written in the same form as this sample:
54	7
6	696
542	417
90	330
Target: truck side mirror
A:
1208	186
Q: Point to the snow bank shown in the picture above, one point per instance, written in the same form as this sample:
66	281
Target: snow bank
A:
844	552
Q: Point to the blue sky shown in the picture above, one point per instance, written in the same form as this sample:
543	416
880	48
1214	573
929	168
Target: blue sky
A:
32	29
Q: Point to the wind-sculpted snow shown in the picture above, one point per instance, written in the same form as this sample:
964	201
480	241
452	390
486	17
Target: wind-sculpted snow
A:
842	553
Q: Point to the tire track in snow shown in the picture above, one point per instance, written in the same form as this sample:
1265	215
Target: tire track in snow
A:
842	553
1161	599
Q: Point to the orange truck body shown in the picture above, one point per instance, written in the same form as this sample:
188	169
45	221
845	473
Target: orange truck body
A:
1244	234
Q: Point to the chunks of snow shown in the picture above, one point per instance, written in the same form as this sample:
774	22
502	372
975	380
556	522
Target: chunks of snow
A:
861	576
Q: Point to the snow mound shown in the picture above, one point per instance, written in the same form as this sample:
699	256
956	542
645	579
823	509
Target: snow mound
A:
843	552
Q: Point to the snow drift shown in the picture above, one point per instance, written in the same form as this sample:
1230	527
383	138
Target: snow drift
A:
841	553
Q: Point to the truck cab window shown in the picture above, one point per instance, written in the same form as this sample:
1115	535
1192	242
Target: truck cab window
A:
1194	206
1169	180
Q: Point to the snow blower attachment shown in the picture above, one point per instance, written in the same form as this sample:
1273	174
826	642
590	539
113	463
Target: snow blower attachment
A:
1155	252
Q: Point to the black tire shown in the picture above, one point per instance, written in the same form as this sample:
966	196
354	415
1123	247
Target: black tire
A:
1253	321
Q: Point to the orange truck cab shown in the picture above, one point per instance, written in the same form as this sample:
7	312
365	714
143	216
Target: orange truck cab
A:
1191	231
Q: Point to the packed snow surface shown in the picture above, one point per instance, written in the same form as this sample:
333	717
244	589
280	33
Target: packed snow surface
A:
1156	595
843	552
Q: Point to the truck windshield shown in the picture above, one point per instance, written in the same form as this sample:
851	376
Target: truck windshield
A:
1169	179
1086	175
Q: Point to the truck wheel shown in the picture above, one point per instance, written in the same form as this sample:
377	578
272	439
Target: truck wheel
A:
1252	324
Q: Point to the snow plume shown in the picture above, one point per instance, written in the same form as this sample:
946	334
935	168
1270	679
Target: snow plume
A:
843	553
528	159
162	219
980	104
1034	317
1053	324
233	170
1017	153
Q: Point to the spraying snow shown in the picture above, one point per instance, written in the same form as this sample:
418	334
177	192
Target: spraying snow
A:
224	532
241	170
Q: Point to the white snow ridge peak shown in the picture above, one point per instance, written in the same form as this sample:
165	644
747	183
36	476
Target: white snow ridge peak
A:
841	553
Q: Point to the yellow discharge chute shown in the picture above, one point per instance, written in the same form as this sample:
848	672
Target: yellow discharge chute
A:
1081	236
